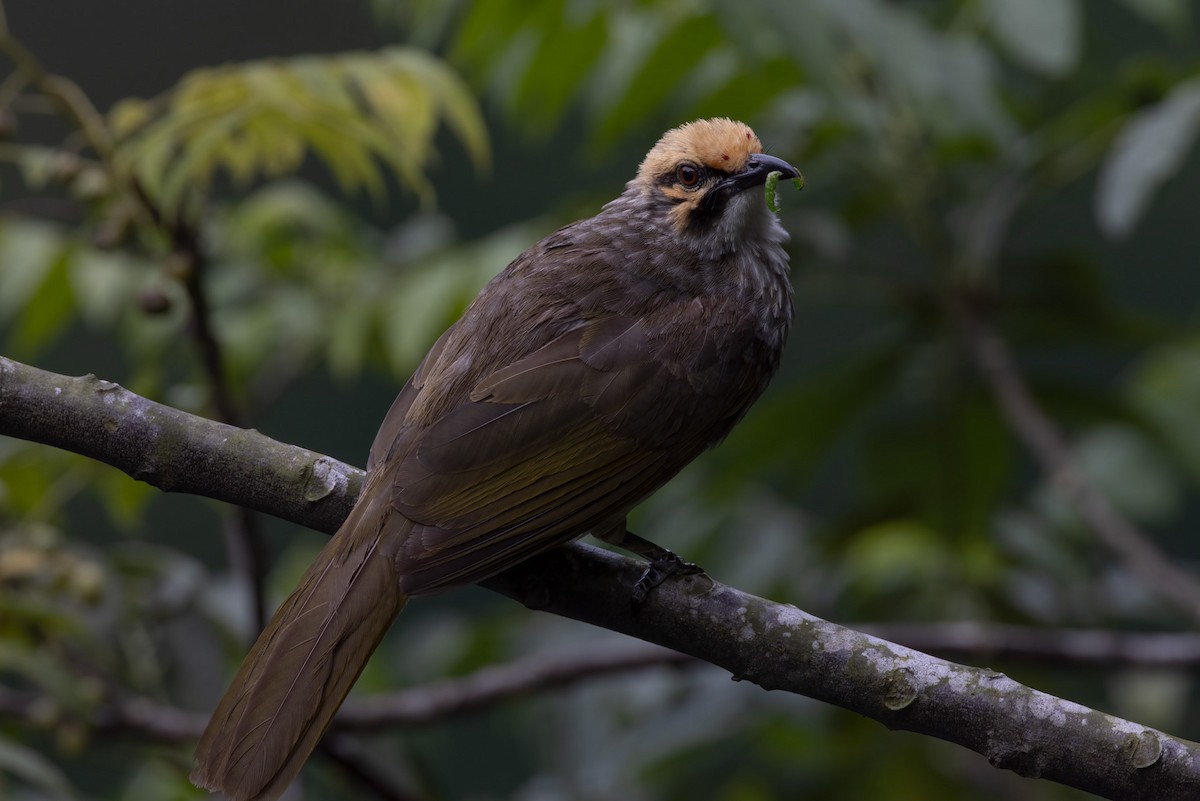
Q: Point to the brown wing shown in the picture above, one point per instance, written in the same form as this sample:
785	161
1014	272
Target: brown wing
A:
561	442
389	432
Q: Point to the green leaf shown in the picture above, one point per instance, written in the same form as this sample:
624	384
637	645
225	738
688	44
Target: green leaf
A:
947	465
124	498
894	554
1165	389
1131	472
360	113
487	30
429	297
672	60
950	80
1149	150
1042	35
347	342
160	779
28	250
567	52
40	166
40	668
103	284
48	310
814	413
1172	15
457	103
31	768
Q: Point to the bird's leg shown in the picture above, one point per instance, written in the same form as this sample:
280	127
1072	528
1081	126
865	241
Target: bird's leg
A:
663	564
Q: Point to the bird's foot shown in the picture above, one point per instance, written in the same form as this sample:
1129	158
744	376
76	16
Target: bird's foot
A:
663	563
664	566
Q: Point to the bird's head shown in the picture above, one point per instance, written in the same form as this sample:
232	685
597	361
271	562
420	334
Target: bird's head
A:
700	171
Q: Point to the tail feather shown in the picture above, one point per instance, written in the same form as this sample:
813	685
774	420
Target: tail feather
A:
303	665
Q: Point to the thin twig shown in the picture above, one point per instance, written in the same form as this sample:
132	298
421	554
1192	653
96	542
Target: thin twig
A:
491	685
421	705
72	101
1049	447
247	548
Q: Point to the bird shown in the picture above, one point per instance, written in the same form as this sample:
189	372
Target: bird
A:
583	377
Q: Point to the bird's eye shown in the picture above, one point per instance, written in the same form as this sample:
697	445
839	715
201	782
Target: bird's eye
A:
688	176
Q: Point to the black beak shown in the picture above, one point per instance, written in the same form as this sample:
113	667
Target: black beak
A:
755	174
758	167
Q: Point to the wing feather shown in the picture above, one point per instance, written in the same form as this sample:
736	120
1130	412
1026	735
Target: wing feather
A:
566	439
343	605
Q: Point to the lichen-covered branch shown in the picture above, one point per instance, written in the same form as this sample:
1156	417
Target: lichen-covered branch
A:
780	647
173	450
773	645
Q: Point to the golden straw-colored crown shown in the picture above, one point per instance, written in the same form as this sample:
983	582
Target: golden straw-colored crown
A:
720	143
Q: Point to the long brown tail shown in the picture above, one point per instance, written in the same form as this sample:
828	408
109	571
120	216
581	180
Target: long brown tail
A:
305	661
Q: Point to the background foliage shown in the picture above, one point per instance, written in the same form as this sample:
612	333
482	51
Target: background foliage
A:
275	237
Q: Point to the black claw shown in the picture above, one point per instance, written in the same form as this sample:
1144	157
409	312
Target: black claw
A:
656	573
662	564
649	579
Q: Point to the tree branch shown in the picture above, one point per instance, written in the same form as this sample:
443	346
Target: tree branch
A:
173	450
75	106
487	686
1049	447
359	768
773	645
415	706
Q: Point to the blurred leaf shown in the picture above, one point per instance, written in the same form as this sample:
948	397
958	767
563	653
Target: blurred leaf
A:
814	413
1130	472
947	464
1165	388
675	55
158	580
41	166
1149	151
427	298
124	498
103	285
37	666
35	770
1156	697
162	780
1042	35
1172	15
621	65
949	82
347	342
28	250
571	43
486	32
48	311
356	112
889	556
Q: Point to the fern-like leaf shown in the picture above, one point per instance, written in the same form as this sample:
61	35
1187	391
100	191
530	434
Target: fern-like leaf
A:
361	114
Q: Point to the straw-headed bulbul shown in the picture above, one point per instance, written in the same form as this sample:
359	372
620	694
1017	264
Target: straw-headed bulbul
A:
583	377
